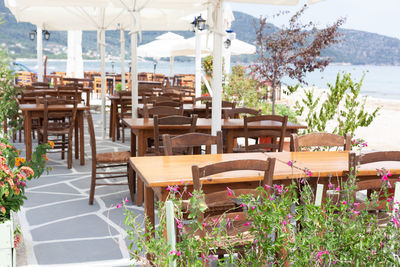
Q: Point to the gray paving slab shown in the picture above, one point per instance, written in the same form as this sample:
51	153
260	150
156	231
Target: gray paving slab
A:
117	197
38	198
57	188
61	210
87	226
77	251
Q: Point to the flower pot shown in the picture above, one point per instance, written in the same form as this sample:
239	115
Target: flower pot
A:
7	251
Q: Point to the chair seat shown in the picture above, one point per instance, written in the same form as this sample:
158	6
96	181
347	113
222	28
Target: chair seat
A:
56	131
113	157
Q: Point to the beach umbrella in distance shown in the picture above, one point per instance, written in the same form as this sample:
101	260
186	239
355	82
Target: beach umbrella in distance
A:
161	47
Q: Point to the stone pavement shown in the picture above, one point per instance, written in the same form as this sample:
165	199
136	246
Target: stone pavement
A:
60	228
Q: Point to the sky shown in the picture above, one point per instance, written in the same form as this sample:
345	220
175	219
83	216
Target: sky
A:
377	16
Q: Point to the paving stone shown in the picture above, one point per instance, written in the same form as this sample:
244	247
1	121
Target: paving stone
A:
79	227
119	197
77	251
59	211
59	188
38	199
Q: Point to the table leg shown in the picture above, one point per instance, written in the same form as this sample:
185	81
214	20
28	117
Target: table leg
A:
81	137
28	135
140	152
114	119
88	98
111	118
77	138
149	205
229	141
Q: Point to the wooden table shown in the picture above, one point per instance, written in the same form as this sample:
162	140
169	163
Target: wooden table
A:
142	129
187	109
36	110
158	172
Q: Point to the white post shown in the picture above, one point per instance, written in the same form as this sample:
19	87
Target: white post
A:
170	221
216	82
103	79
39	53
134	77
122	33
171	66
198	63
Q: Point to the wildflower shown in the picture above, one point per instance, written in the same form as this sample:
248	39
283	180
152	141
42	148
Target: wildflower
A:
178	253
3	210
338	189
126	200
284	222
321	253
330	185
179	224
229	191
118	205
253	207
247	223
204	224
344	202
268	186
356	212
242	205
236	217
364	144
356	204
51	143
290	163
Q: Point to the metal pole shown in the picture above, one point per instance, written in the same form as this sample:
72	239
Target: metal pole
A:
122	32
39	53
198	63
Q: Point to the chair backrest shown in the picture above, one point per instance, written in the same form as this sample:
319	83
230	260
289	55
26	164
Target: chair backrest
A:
92	135
234	113
190	141
371	157
277	134
70	92
161	111
202	98
224	104
168	104
171	120
52	113
125	104
266	166
41	84
320	140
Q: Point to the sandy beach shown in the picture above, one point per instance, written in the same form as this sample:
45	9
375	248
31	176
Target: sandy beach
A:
382	134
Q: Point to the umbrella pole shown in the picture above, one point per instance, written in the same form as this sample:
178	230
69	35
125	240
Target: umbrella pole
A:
217	74
134	73
122	32
103	80
39	53
198	64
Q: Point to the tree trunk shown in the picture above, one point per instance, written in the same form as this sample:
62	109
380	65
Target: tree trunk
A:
273	98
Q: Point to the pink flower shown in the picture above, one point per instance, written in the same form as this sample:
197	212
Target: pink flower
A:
385	178
284	222
268	187
236	217
365	144
229	191
253	207
338	189
330	185
344	202
356	204
247	223
290	163
242	205
356	212
178	253
204	224
126	200
190	194
179	224
118	206
290	216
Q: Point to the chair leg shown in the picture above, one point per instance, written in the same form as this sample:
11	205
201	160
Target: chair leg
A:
69	160
131	183
92	186
118	128
123	133
63	147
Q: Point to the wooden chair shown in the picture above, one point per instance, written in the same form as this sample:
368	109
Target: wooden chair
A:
125	111
277	136
174	120
41	84
202	98
224	104
189	141
234	113
168	104
320	140
105	161
70	92
161	111
58	124
372	184
220	202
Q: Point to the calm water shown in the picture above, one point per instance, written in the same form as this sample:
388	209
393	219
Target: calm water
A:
379	81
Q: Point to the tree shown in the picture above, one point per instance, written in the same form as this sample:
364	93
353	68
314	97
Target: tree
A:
291	51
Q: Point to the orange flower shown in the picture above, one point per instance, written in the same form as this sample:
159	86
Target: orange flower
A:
46	157
22	160
51	144
3	210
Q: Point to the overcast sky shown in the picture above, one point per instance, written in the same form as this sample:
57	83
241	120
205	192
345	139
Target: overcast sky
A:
378	16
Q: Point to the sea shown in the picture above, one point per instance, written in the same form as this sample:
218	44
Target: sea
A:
379	81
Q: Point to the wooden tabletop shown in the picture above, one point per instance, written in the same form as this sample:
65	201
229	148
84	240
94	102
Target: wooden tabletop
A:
202	123
38	107
171	170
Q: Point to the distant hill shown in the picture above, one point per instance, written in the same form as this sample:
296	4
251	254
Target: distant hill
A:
358	47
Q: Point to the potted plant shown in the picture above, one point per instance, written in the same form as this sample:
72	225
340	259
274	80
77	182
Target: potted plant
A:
15	171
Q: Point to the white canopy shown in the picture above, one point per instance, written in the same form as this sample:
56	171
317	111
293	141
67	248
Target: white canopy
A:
161	47
188	47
